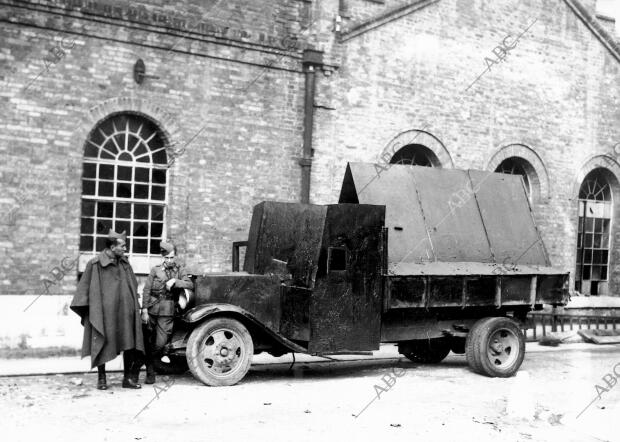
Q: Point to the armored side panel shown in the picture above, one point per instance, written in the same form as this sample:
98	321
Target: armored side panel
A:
285	234
508	219
408	237
445	215
345	305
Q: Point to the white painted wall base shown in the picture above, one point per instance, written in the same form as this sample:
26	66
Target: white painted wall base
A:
48	322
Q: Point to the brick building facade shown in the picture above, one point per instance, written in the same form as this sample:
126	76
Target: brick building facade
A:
243	101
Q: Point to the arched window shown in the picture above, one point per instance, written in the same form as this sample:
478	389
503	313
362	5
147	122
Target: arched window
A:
124	184
416	155
517	166
595	207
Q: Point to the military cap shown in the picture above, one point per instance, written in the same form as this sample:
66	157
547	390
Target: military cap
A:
113	235
166	247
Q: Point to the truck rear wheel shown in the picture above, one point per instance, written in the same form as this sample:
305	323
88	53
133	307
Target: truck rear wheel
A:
219	351
495	347
425	351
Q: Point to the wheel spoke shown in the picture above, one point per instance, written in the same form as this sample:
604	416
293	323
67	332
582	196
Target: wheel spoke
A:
222	351
502	348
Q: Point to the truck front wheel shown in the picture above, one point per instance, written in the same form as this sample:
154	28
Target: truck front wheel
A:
425	351
219	351
495	347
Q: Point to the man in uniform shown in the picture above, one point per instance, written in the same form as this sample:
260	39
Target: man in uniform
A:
107	301
158	304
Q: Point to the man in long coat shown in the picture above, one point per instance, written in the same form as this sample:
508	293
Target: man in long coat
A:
107	301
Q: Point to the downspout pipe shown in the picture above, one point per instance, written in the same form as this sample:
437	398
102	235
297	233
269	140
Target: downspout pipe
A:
312	60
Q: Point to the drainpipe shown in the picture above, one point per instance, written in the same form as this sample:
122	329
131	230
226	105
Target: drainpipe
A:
312	59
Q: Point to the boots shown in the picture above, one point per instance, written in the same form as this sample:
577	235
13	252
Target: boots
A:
150	373
101	379
130	375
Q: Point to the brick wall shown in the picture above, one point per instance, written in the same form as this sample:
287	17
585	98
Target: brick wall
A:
211	85
556	96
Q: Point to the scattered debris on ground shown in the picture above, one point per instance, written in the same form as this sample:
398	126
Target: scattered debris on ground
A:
601	336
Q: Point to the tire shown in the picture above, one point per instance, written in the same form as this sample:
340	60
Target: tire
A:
219	352
177	365
495	347
425	351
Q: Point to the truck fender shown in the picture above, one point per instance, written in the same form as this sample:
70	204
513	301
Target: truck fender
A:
201	313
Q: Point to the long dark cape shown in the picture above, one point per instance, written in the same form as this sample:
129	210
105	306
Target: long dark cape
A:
107	301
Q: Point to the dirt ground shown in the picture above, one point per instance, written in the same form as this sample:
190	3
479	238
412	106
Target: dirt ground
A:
397	399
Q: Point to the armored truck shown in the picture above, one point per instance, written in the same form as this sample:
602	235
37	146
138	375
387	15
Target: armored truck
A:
432	260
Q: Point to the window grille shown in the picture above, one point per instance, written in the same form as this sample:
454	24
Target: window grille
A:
124	185
415	155
593	234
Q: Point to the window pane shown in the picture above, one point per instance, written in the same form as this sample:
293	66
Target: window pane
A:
122	226
88	208
159	176
140	229
588	240
589	224
123	210
142	174
596	272
109	145
105	210
586	272
160	157
88	187
90	170
120	140
141	191
158	193
124	173
104	226
134	141
596	257
605	241
106	172
87	226
139	246
86	243
598	225
141	211
156	230
597	240
588	256
106	188
105	155
141	150
604	272
100	243
154	246
123	190
157	213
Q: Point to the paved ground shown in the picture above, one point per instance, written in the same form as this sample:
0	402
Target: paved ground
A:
320	401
